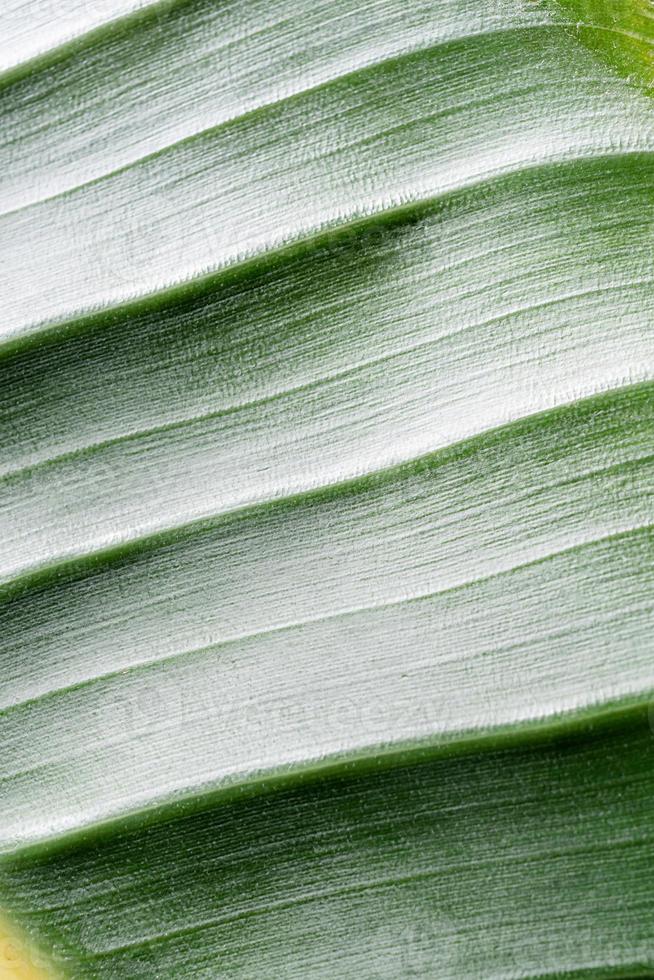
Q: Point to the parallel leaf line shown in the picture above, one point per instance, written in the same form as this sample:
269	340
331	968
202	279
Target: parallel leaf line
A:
110	887
83	452
376	883
17	584
506	572
640	695
265	107
187	799
424	209
76	43
248	262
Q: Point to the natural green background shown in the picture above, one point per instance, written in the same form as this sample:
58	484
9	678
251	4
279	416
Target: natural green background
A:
326	522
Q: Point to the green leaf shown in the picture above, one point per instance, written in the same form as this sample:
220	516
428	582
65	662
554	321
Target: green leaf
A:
327	426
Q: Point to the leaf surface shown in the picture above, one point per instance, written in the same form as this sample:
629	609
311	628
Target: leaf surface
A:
326	409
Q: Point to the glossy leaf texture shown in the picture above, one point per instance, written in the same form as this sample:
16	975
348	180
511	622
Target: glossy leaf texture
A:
327	426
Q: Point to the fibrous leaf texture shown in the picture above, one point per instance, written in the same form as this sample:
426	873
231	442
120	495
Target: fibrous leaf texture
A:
326	524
